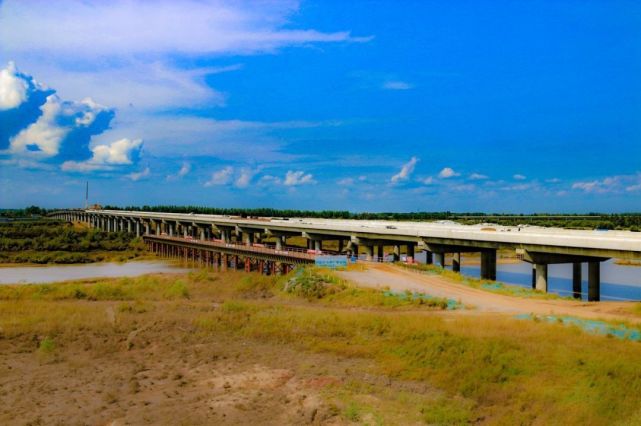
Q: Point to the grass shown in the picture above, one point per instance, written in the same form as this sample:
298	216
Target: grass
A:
487	369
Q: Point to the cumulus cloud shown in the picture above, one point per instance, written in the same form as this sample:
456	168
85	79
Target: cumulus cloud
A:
65	128
118	153
397	85
184	170
221	177
136	176
427	180
295	178
244	177
610	184
21	98
406	170
13	88
447	173
519	177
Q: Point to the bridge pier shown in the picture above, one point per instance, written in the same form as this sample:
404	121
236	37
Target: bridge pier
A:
488	265
594	281
456	262
541	277
397	253
541	261
576	280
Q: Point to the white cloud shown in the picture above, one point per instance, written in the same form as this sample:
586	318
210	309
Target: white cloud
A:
221	177
136	176
447	173
427	180
13	88
293	178
553	180
397	85
126	28
478	176
519	177
59	118
244	177
406	170
124	52
610	184
104	157
269	180
345	181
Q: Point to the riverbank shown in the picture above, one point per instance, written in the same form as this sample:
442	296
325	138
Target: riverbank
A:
203	348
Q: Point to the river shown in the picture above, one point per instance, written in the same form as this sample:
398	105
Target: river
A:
618	282
49	274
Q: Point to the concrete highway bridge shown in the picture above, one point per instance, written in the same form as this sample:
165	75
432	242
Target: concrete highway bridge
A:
536	245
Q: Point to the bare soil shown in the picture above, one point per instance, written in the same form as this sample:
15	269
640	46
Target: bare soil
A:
378	275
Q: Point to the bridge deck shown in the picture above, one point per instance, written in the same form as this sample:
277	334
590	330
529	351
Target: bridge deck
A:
290	253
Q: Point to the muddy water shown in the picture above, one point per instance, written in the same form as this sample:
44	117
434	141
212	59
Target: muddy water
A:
47	274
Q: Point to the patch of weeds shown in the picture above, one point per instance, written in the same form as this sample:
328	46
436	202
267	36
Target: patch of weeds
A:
178	290
352	412
444	411
311	284
257	286
46	346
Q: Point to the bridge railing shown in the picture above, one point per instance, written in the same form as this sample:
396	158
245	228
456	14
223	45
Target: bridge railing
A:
255	248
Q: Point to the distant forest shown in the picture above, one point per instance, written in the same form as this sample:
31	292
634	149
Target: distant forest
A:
623	221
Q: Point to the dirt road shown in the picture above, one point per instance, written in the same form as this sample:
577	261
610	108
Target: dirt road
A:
398	279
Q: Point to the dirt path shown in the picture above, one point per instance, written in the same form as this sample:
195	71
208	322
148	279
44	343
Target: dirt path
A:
397	279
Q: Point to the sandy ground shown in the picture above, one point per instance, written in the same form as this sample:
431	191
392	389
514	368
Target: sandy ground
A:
163	381
398	279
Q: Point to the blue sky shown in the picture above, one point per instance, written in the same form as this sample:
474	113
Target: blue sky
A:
366	106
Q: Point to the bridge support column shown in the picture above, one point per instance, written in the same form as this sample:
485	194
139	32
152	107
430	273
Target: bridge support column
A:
340	246
201	233
318	245
439	259
279	243
380	254
456	262
369	253
576	280
248	238
410	253
594	281
541	277
397	253
158	227
355	250
428	257
223	262
129	226
488	265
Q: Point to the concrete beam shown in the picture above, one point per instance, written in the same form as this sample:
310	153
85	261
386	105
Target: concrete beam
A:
551	258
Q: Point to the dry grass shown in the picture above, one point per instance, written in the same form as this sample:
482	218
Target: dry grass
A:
392	364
